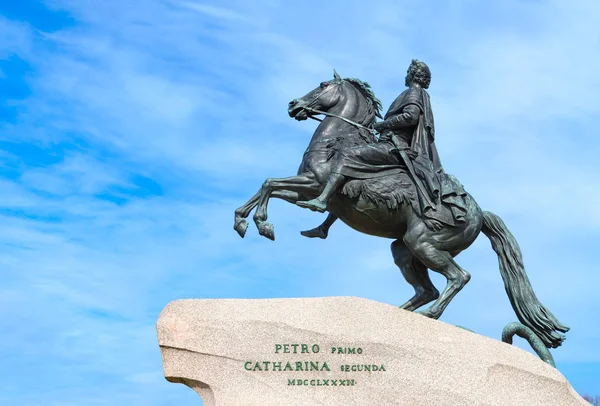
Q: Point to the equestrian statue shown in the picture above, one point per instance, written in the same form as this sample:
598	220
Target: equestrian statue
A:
394	186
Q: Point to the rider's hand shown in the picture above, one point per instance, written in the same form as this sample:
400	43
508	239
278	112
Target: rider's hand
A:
379	126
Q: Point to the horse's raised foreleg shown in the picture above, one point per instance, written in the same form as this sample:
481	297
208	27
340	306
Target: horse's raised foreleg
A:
241	225
241	213
304	184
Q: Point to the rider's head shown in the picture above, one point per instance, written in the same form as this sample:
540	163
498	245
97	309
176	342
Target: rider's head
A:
418	73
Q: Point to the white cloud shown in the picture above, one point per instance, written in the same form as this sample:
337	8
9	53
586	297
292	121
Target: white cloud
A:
216	12
16	38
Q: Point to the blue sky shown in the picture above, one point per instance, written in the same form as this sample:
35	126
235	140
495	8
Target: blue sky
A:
130	131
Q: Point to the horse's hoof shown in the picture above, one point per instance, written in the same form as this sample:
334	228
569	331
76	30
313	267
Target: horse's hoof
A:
407	306
428	313
241	226
267	230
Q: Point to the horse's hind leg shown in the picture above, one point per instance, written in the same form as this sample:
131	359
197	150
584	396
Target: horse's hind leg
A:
419	241
416	274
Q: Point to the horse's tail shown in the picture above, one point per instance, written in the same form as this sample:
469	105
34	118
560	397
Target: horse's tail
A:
528	308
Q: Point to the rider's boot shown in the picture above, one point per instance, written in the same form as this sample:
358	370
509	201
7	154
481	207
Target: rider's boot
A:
321	231
320	203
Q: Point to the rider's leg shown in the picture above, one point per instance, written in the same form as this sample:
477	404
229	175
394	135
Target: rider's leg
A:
320	203
321	231
363	156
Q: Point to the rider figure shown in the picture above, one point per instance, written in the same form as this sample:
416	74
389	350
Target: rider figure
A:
407	134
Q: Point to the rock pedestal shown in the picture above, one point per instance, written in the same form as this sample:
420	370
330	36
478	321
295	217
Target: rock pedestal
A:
344	351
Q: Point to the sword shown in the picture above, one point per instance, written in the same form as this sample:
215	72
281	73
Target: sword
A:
411	169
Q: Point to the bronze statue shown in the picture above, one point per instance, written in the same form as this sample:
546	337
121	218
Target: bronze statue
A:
395	187
407	140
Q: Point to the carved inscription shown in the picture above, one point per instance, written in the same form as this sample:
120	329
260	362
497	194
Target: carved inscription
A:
282	362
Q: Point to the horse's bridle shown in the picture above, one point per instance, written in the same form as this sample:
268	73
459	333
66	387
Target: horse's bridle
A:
313	110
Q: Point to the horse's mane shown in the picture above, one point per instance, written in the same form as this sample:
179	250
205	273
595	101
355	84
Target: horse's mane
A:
373	102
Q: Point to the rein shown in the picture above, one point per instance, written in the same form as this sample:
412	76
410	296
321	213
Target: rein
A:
340	117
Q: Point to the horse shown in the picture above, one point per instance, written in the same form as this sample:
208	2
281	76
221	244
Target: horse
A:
384	207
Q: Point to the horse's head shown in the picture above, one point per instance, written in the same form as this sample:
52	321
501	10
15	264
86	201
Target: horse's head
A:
338	92
323	98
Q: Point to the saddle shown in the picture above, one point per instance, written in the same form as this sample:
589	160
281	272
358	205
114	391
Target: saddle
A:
395	187
391	188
